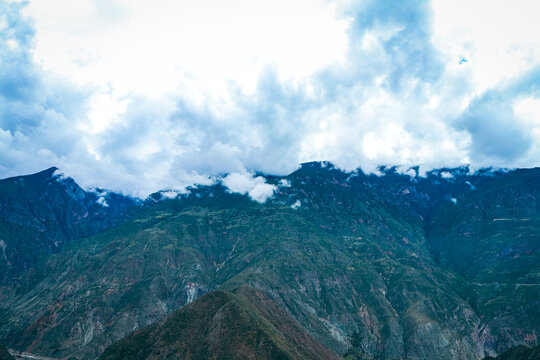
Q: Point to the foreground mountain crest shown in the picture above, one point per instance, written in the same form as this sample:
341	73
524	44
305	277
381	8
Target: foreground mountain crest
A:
519	352
445	266
244	324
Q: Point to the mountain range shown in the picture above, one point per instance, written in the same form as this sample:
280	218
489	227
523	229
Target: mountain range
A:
335	264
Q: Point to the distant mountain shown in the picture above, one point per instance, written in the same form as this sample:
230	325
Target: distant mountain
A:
372	266
244	324
42	212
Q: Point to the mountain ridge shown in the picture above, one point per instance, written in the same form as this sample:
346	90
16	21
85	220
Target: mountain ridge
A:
41	212
355	264
242	324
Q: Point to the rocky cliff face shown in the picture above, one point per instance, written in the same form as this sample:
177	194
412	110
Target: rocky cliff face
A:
371	266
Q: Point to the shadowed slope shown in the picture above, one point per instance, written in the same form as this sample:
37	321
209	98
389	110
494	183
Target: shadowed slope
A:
42	212
245	324
492	238
4	354
518	353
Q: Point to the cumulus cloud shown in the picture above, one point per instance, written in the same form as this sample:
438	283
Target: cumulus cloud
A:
284	183
244	183
446	175
59	175
101	201
360	83
170	194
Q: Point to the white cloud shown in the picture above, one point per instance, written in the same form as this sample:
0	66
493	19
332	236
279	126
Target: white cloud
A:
59	175
470	185
284	183
411	172
154	48
101	201
262	192
499	38
446	175
245	183
296	205
138	96
170	194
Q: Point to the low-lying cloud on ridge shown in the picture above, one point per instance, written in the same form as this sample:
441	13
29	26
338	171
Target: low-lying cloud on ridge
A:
245	183
396	92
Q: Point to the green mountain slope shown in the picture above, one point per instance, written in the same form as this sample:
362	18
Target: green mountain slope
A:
344	265
492	238
223	325
368	265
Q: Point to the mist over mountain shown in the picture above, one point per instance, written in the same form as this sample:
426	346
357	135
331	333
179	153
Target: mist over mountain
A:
387	266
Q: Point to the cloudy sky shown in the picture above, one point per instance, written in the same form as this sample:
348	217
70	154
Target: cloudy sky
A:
138	95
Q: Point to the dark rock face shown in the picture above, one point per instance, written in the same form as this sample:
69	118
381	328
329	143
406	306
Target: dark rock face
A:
42	212
391	267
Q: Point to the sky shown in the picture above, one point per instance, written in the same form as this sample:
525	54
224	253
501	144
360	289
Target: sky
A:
137	96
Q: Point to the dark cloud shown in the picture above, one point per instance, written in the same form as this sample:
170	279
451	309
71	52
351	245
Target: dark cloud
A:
402	49
37	112
17	76
19	100
496	133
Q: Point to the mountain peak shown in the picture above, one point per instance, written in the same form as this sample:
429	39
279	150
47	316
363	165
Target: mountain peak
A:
240	324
